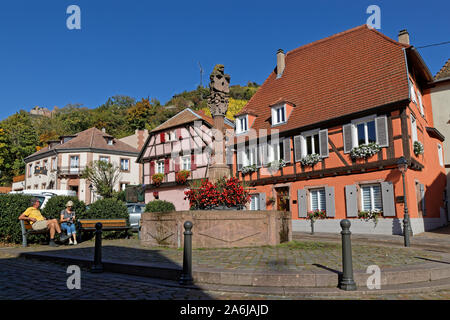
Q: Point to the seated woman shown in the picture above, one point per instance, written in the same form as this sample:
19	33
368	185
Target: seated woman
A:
68	222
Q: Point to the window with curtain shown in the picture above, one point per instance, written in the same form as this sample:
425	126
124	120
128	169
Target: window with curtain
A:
254	202
317	199
371	197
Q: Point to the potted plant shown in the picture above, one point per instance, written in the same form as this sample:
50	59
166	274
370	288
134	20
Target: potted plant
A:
182	176
418	148
157	178
156	194
314	215
365	151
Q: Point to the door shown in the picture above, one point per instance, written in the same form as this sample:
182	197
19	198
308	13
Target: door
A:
283	199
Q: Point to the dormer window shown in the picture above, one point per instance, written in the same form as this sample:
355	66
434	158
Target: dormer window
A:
278	115
110	141
242	124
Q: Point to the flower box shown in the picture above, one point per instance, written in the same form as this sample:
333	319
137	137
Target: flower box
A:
182	176
365	151
158	178
248	169
310	159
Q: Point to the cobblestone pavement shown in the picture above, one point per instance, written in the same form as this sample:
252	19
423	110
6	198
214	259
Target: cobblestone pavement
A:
287	257
30	279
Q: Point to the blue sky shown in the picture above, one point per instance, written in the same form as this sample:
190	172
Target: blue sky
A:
152	48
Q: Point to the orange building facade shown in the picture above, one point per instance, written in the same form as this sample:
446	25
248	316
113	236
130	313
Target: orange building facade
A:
320	109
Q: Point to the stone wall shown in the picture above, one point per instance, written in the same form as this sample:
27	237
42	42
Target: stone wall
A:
217	228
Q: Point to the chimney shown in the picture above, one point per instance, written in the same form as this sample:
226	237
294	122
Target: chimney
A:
280	62
403	36
103	130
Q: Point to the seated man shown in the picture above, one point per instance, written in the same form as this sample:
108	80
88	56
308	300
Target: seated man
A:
38	222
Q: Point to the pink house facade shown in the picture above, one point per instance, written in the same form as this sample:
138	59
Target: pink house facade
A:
182	143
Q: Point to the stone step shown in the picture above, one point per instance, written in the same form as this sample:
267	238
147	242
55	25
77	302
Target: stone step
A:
323	278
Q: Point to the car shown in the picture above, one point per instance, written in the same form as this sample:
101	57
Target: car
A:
135	210
45	195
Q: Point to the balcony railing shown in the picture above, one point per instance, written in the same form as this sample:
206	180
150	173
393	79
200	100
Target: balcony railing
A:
70	170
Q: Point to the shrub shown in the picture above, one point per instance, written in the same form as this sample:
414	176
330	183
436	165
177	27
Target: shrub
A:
108	209
159	206
205	195
11	207
56	204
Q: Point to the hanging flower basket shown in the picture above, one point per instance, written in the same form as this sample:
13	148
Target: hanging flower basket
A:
418	148
310	159
157	178
182	176
248	169
365	151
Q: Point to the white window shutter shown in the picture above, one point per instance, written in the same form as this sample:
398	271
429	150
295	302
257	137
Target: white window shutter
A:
262	201
347	136
351	200
329	198
302	203
420	104
323	143
387	196
297	148
240	159
287	149
381	130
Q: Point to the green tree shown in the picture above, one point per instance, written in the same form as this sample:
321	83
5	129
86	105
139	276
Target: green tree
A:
21	139
103	175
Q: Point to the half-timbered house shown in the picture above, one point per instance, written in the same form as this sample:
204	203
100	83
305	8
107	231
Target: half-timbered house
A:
327	128
182	143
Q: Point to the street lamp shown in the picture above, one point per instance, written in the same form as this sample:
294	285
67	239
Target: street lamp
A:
403	167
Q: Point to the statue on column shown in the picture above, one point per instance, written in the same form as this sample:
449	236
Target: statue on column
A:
219	87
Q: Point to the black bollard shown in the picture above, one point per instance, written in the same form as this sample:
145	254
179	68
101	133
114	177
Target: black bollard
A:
186	276
98	267
312	226
347	283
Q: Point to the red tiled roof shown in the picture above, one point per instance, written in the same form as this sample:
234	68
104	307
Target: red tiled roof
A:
351	71
444	72
186	116
90	138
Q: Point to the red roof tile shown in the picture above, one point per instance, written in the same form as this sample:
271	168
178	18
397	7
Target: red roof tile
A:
352	71
90	138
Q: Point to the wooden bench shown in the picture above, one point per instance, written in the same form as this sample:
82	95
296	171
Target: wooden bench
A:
107	225
27	229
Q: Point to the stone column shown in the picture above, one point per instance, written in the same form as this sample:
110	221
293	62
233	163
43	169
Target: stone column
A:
218	105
